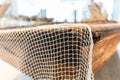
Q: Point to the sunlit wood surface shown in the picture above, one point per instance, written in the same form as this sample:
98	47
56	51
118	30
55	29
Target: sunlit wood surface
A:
107	37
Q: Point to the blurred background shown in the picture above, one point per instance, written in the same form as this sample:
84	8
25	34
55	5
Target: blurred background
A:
25	12
20	13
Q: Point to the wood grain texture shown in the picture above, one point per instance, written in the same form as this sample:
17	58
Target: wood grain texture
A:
106	46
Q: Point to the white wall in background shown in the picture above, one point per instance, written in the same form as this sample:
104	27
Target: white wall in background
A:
116	10
12	10
3	1
59	10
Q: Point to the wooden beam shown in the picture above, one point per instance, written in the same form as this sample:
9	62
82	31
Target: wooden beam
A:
105	46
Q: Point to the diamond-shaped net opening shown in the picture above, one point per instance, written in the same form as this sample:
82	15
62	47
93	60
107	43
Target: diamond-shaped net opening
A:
50	52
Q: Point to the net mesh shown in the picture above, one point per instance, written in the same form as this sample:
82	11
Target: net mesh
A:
50	52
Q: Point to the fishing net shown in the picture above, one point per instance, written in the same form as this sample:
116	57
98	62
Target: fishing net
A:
49	52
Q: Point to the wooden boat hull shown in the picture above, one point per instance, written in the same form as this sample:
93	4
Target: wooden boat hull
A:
106	39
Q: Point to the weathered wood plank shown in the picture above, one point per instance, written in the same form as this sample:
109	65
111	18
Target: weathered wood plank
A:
108	38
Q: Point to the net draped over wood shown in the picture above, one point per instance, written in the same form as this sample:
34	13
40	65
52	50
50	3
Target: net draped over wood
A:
49	52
